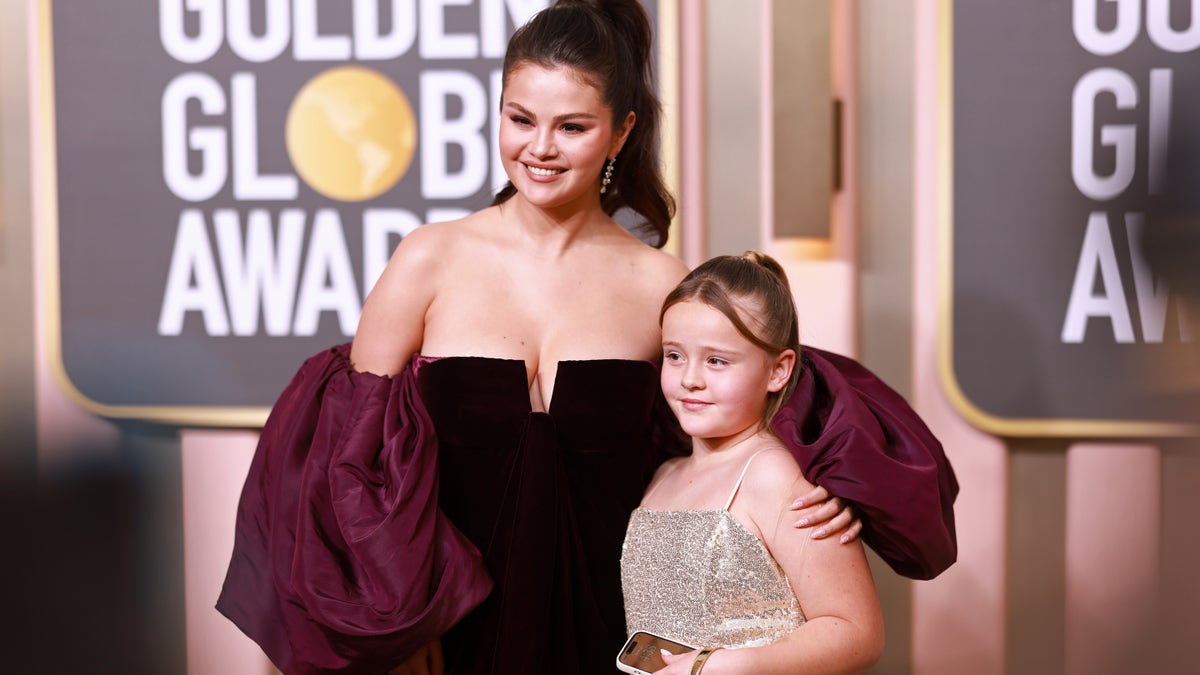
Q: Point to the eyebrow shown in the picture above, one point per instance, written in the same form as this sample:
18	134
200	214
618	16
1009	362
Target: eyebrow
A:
569	116
710	348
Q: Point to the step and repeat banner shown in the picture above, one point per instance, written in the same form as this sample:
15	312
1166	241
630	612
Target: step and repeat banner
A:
231	177
1076	141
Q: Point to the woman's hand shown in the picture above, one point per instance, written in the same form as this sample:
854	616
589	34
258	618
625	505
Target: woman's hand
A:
677	664
426	661
827	514
685	663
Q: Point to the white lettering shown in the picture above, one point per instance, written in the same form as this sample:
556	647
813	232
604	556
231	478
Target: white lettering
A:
435	42
175	39
308	44
259	274
370	43
1105	43
492	29
192	258
251	47
1109	301
499	176
1158	26
438	133
247	182
209	142
379	226
328	282
1121	137
1160	127
1153	295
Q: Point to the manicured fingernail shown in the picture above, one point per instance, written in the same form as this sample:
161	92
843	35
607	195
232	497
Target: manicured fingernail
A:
819	533
845	538
799	503
803	522
665	653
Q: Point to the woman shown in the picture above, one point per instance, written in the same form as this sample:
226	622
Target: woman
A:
507	360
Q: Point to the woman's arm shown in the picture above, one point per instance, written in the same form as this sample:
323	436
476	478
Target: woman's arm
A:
392	325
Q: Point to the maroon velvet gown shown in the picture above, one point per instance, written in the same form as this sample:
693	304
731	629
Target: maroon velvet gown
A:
347	557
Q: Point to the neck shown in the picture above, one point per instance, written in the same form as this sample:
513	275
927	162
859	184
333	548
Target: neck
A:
554	229
706	449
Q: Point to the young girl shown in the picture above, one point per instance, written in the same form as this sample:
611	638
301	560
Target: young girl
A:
711	557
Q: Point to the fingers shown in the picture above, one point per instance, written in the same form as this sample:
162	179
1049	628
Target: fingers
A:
839	522
671	659
820	513
814	496
852	532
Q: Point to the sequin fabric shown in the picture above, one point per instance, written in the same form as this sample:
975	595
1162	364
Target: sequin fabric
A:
701	578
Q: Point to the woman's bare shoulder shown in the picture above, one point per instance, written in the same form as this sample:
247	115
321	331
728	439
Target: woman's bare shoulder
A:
442	241
652	266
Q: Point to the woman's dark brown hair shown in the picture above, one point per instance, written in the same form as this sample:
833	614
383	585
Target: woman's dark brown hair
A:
609	43
752	291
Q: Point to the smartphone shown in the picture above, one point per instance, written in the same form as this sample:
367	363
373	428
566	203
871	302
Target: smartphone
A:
641	655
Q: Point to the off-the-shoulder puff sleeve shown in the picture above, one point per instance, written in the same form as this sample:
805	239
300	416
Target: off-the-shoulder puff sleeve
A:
861	441
342	560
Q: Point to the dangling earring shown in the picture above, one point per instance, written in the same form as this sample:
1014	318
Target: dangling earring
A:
607	175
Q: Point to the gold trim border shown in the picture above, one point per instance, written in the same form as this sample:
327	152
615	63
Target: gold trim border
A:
45	199
1000	426
44	151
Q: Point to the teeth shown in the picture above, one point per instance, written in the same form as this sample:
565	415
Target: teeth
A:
538	171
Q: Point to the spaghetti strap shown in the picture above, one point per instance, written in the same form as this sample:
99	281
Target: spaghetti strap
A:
738	484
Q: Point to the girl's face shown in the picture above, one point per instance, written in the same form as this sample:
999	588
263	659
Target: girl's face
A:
556	135
715	380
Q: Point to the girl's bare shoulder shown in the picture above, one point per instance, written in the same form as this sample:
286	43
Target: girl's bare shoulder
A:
774	476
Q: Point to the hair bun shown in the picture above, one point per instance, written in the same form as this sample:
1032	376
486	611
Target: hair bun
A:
768	263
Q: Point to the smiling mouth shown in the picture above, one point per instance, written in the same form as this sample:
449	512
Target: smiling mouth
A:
539	171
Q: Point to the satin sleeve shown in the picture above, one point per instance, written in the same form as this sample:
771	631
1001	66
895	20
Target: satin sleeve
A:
342	561
861	441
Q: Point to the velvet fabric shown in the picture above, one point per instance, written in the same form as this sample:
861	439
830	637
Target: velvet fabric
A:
345	559
546	497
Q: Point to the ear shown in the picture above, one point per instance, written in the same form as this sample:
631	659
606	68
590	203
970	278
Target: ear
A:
781	370
622	135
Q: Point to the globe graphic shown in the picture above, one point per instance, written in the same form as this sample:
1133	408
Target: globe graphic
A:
351	133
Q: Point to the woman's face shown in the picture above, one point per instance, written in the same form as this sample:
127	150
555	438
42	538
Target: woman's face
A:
556	135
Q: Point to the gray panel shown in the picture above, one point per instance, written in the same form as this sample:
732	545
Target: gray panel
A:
1019	218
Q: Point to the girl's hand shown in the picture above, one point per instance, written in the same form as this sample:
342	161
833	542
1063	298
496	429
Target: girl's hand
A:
426	661
827	514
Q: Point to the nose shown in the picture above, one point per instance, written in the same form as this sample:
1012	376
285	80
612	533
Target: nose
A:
543	142
692	377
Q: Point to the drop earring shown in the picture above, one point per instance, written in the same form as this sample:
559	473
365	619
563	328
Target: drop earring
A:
608	170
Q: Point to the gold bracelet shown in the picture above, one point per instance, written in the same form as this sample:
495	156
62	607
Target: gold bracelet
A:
701	658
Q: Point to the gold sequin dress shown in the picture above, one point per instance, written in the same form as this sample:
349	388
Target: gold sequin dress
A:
701	578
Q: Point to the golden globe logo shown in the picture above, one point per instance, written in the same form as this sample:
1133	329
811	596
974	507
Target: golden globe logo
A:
255	253
351	134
